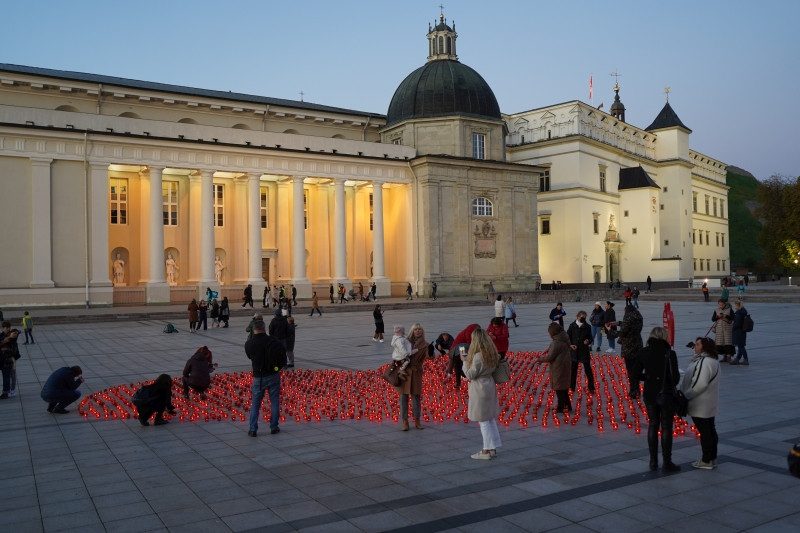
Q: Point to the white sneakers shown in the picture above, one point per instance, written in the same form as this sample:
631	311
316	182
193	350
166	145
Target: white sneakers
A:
480	455
703	465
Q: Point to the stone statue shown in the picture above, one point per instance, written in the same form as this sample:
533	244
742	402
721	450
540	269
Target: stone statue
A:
172	270
119	271
219	267
611	225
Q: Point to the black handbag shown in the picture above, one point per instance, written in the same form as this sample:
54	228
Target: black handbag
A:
670	397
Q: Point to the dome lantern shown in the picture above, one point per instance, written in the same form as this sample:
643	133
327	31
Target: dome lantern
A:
442	40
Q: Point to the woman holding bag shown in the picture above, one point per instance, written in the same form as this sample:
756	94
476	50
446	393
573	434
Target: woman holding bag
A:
412	386
480	363
660	372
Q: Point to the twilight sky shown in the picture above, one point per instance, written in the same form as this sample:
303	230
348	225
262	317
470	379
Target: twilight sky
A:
733	65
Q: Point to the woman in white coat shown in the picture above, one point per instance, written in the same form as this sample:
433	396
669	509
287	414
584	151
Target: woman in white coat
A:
700	385
480	362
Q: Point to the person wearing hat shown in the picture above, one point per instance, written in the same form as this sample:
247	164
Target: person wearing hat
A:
596	320
610	326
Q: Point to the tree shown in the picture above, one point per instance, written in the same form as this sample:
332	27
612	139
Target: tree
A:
779	211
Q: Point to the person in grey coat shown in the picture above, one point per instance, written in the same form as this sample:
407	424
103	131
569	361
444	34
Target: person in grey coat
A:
479	364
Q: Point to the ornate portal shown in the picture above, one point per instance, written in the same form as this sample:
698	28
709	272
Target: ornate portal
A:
485	240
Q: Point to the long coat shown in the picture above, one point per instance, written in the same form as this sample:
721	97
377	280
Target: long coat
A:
560	359
197	371
193	311
723	326
652	360
483	405
739	334
630	333
413	384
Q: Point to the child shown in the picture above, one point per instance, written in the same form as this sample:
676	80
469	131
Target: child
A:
27	325
401	349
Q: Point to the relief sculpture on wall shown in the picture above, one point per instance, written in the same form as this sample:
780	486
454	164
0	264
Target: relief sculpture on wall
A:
485	240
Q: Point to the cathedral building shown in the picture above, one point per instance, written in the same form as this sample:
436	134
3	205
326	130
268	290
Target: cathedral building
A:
119	191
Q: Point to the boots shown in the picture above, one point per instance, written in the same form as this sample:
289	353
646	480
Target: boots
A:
417	424
652	444
405	425
653	460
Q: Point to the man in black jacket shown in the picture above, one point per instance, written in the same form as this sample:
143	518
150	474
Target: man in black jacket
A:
268	357
580	340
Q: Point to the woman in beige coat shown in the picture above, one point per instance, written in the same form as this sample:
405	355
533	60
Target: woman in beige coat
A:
723	330
480	363
559	355
412	386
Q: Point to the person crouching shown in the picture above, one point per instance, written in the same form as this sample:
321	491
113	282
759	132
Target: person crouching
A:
155	398
197	372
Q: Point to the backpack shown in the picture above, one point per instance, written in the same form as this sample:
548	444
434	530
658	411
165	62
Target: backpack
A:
747	324
169	328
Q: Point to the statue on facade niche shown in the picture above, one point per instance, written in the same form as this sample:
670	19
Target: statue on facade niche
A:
172	270
219	267
611	225
119	271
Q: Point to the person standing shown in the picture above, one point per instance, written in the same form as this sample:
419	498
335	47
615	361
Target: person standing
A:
249	328
597	321
628	294
315	304
580	341
377	316
361	292
611	326
279	326
374	290
700	385
224	311
725	295
27	327
9	354
636	297
409	292
559	355
479	364
294	295
214	313
649	284
248	296
202	315
412	386
557	314
155	398
740	334
434	288
264	296
61	389
194	311
723	330
704	290
499	307
659	366
197	372
330	292
510	312
498	332
291	328
275	295
268	357
630	340
342	298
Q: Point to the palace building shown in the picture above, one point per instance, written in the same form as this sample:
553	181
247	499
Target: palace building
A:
118	191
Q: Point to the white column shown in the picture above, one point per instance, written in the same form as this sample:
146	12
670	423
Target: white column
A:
41	236
299	277
378	267
99	258
254	229
339	233
157	289
206	256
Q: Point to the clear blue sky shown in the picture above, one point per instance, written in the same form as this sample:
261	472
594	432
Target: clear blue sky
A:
733	65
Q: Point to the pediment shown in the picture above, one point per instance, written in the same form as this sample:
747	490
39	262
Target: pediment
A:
547	115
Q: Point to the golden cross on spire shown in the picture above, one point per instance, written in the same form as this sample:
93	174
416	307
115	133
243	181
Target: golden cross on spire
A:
302	94
616	79
667	90
441	11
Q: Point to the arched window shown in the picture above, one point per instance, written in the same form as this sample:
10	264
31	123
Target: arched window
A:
128	114
71	109
482	207
448	45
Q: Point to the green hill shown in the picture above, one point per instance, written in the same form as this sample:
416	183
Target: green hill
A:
744	227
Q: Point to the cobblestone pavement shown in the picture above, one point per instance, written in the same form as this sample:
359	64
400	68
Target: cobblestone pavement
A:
63	473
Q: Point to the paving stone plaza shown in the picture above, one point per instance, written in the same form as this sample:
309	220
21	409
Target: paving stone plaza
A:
66	473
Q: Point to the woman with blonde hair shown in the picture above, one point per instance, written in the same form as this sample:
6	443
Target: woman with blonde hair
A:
412	386
480	362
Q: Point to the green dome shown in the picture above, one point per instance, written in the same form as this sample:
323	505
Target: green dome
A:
442	88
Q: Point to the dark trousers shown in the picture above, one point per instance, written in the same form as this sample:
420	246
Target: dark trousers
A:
315	309
204	321
6	379
513	319
198	390
708	437
563	401
659	419
634	372
332	301
456	366
741	352
585	360
156	405
29	334
61	399
248	300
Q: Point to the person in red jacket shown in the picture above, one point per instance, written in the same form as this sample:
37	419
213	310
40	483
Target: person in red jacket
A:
454	366
498	332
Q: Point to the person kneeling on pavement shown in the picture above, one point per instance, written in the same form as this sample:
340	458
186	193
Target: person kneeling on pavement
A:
197	372
155	398
61	388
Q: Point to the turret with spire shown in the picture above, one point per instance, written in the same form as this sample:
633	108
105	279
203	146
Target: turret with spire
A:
442	39
617	108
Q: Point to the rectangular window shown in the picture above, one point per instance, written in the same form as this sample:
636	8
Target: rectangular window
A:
693	238
708	265
479	146
701	265
545	226
722	236
602	179
715	206
596	226
708	239
305	209
169	202
662	207
694	202
666	189
723	265
544	181
694	266
263	203
634	231
371	211
707	202
219	205
666	243
722	208
717	238
118	201
397	141
625	213
717	269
